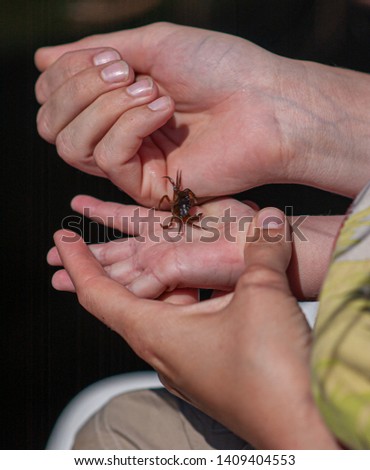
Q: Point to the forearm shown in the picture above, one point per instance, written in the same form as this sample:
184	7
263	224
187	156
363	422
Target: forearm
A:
325	118
313	241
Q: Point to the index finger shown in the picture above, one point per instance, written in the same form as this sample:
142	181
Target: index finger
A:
70	64
146	325
105	298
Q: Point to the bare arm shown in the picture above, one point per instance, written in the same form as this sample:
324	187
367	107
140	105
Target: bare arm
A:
154	261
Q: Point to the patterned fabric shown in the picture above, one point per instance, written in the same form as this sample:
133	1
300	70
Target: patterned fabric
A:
341	349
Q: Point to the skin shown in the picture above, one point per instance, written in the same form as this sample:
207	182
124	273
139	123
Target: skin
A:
223	99
251	324
150	266
229	94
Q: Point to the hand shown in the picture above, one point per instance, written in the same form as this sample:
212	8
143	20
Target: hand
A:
207	74
242	358
242	116
157	260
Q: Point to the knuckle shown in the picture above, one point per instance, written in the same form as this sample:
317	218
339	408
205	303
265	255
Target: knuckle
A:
41	89
160	25
102	157
77	89
85	297
259	275
89	42
70	64
65	148
44	126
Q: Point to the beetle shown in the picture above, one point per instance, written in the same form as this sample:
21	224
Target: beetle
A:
183	200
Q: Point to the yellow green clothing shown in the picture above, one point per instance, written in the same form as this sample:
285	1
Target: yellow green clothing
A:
341	349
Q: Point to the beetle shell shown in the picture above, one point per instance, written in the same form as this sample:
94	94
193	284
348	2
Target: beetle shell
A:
184	204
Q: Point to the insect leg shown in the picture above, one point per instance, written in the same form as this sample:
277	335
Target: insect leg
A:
181	223
193	196
163	198
170	180
195	218
171	221
178	179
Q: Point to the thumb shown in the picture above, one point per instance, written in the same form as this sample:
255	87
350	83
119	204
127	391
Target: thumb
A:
268	241
132	44
264	287
267	254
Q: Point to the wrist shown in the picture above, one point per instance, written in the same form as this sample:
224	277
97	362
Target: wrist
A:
313	241
297	424
314	433
294	423
326	123
309	432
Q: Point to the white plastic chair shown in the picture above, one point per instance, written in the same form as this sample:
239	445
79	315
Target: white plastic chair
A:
92	398
310	311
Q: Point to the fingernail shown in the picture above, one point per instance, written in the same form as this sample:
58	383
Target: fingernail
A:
141	88
270	218
116	72
105	57
160	104
272	222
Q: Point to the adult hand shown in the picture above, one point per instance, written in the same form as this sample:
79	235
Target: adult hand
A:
242	358
242	116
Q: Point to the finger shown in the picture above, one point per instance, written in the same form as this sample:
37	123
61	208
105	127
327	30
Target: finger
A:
61	281
253	205
148	286
146	281
124	272
77	93
267	255
137	45
268	242
104	298
114	251
218	293
117	153
106	253
53	257
129	219
77	140
181	297
69	65
129	272
137	220
219	205
139	321
119	263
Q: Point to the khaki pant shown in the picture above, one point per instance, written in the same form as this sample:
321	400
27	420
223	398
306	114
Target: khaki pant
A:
154	420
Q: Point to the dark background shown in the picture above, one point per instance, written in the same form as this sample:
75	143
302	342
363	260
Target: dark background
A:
50	347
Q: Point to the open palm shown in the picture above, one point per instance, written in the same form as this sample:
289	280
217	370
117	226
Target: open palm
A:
157	260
